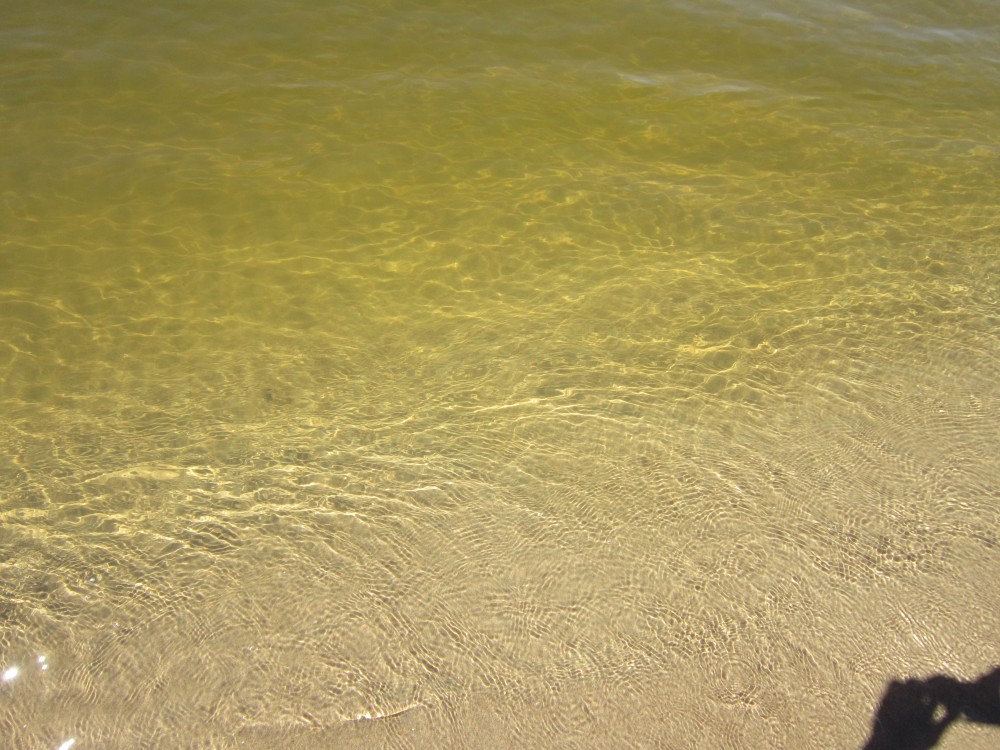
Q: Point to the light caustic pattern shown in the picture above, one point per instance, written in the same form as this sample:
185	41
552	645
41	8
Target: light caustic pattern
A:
413	378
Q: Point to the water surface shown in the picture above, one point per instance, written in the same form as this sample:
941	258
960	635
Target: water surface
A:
421	375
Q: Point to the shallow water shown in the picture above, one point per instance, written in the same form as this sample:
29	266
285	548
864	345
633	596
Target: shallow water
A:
411	375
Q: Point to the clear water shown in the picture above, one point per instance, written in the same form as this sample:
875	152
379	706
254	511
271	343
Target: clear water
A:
589	374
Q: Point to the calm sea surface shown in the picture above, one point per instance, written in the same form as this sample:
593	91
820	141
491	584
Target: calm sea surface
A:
585	374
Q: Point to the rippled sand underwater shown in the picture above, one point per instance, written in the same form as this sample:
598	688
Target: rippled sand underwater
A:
419	377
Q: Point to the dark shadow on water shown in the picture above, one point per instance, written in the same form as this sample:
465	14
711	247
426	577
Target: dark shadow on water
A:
913	715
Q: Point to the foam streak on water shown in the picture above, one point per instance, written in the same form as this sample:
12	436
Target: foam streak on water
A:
561	374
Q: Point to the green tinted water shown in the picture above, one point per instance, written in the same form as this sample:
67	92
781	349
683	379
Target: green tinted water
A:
420	375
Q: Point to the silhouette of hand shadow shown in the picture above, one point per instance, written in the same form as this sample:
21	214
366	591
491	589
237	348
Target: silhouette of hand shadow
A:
914	714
